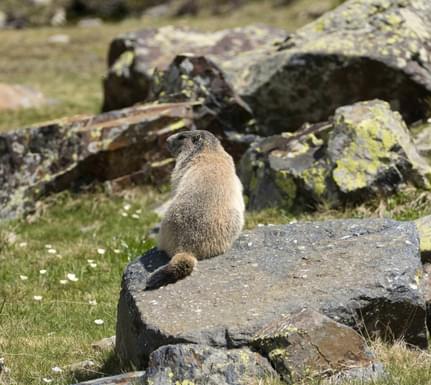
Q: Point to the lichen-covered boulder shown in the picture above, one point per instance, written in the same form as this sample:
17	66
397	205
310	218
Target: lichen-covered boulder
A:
362	50
133	56
364	150
195	78
205	365
122	148
362	273
309	344
14	97
68	153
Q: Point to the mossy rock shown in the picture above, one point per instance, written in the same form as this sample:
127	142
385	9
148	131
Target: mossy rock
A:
362	50
366	150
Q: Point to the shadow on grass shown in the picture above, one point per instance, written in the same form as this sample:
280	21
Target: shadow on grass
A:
111	366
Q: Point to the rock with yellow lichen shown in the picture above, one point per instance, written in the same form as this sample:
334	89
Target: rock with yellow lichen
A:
307	344
362	50
363	151
122	148
193	364
133	57
70	153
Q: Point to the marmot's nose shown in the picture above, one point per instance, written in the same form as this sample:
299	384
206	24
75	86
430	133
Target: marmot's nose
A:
170	143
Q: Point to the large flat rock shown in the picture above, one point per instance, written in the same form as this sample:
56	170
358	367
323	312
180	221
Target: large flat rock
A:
362	273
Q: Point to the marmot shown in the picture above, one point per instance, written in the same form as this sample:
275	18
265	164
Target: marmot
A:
206	213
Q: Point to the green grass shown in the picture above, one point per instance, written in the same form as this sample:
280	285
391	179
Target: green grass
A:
58	330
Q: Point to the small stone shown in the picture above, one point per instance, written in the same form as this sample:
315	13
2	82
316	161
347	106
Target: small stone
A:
90	23
105	344
59	39
82	367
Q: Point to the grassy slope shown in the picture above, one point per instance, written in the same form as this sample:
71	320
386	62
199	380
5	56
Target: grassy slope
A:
58	330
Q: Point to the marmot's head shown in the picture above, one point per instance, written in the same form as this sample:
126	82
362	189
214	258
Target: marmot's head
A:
189	143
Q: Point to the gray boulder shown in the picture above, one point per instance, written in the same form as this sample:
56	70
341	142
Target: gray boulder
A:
364	49
121	148
205	365
69	153
363	151
133	57
307	344
361	273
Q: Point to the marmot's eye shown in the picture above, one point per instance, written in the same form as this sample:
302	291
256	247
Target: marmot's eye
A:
181	137
196	138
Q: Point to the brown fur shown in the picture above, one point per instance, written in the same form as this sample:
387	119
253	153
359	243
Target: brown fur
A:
207	210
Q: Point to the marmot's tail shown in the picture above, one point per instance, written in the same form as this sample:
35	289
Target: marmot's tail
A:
180	266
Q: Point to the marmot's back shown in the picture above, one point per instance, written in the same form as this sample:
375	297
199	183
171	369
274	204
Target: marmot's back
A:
207	210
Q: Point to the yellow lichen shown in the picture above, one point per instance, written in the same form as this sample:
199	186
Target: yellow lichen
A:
125	60
287	187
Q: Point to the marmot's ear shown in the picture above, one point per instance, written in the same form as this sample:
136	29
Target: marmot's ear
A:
196	139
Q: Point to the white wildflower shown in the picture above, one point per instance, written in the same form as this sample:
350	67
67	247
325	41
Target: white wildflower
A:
37	297
124	214
127	207
23	277
63	281
56	369
90	260
42	272
92	302
47	380
101	251
135	216
22	244
52	251
117	251
48	246
99	321
72	277
93	265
